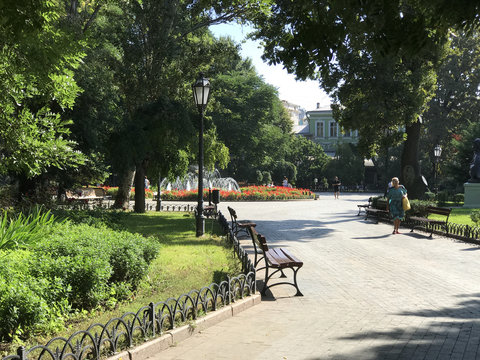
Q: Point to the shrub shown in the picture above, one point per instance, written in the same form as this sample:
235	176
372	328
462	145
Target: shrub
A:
459	198
442	197
430	196
26	302
375	200
90	260
475	216
419	207
94	217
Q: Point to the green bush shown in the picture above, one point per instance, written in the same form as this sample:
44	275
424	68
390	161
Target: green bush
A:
475	216
375	200
430	196
72	267
91	259
442	197
27	303
419	207
94	217
459	198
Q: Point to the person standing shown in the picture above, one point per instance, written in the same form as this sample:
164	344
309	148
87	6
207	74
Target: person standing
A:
395	195
336	187
147	183
285	181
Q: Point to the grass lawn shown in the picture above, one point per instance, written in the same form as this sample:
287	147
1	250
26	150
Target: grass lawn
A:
184	263
457	216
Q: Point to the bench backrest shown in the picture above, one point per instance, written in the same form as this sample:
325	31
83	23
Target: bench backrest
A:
439	211
258	240
233	215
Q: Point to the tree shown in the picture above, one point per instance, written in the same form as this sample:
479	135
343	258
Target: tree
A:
37	63
309	158
376	81
454	108
162	48
251	121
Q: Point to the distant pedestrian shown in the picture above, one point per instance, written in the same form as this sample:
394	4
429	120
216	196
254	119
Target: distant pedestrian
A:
395	195
147	183
285	182
336	187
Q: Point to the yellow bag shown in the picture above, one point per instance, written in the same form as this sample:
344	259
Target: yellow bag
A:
405	203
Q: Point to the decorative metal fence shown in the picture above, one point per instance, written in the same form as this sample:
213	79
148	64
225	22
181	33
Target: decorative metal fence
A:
462	232
149	321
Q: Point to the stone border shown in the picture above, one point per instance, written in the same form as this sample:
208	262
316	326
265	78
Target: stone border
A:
172	337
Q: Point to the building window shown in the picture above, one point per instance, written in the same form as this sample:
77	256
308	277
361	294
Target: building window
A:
347	133
333	129
320	129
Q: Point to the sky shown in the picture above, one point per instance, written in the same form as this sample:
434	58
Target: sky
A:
304	93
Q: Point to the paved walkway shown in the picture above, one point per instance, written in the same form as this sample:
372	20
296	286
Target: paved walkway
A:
368	294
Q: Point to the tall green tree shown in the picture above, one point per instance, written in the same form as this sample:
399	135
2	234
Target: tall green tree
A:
250	120
157	43
40	53
309	159
376	81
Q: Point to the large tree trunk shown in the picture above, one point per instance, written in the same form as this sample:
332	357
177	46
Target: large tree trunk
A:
411	175
123	194
140	188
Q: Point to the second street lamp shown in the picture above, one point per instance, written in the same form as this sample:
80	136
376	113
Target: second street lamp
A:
201	93
437	152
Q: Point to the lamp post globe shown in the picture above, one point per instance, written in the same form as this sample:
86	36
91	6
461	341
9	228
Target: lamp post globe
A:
201	94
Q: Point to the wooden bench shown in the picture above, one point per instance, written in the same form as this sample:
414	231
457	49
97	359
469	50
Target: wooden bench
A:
380	209
364	207
85	196
210	211
238	226
276	260
418	221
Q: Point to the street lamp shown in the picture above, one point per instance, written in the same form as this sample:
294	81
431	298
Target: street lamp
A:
437	152
201	92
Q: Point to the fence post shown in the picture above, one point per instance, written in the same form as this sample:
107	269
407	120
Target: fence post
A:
229	290
21	353
152	316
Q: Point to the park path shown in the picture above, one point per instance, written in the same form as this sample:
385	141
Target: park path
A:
368	294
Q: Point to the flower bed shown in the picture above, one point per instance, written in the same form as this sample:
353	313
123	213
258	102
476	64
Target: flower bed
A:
249	193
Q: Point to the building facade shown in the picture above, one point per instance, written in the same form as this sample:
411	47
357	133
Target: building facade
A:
324	130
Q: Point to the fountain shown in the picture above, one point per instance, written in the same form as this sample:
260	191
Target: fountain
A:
211	179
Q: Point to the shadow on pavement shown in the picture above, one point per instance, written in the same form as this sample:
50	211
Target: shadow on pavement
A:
458	337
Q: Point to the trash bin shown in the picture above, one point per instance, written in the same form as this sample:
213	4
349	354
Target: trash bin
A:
215	196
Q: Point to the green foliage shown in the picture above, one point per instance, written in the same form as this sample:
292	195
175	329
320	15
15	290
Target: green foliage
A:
419	207
73	267
28	303
37	65
475	216
90	259
93	217
459	198
430	196
19	230
442	197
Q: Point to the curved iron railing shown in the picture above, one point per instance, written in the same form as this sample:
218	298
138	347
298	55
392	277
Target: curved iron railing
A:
149	321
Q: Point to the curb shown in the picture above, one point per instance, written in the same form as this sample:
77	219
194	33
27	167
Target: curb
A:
172	337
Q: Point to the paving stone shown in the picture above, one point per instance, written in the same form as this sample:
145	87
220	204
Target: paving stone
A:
368	294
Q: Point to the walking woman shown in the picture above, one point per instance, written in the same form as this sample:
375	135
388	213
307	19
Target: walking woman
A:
395	195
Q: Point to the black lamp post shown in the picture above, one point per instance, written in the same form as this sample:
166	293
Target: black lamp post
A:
201	92
437	152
